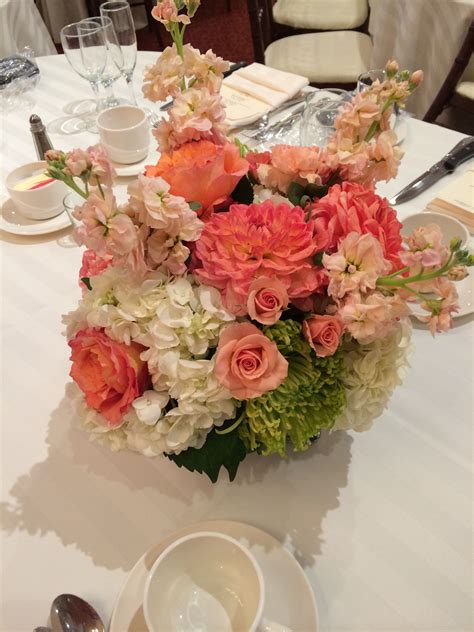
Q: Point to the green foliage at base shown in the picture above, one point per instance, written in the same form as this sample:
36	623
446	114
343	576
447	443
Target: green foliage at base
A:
219	451
310	398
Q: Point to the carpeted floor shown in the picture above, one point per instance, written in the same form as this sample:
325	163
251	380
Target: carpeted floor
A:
214	26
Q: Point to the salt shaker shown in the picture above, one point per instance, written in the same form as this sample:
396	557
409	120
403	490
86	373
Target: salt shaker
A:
40	137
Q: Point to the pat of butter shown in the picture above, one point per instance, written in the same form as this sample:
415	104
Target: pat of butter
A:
33	182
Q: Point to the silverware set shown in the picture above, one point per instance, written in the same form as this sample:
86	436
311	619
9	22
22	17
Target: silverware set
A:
72	614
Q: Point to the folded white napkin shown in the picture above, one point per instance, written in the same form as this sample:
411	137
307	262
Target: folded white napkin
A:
256	89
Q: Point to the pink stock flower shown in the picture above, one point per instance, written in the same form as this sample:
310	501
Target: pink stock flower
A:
257	240
201	171
163	78
207	69
101	169
92	265
157	208
294	164
357	116
425	247
370	317
356	265
77	162
103	227
442	307
247	362
323	334
166	12
266	300
110	374
352	207
384	158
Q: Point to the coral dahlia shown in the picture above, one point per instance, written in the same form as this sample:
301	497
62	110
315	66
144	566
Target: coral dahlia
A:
268	239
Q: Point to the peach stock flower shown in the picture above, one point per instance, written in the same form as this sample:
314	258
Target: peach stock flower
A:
247	362
356	265
201	171
266	300
166	12
323	334
103	227
371	317
110	374
425	247
163	78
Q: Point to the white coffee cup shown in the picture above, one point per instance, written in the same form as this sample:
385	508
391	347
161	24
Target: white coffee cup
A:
125	133
206	581
38	204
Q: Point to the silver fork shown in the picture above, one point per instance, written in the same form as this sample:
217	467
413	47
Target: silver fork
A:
263	121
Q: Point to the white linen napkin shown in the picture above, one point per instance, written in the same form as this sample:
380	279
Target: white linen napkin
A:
256	89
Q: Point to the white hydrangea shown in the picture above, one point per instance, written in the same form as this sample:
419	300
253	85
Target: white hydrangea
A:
373	372
262	194
178	322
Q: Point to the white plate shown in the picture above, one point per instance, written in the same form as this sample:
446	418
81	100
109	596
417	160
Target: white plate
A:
126	171
465	289
289	599
11	221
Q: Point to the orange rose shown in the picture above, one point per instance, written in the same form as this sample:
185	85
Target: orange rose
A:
109	373
201	171
323	334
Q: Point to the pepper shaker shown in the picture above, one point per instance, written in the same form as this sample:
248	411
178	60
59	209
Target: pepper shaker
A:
40	136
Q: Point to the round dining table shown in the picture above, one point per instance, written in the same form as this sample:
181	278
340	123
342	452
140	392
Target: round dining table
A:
380	522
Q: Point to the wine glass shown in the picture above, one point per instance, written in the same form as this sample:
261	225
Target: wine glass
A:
119	12
320	113
114	63
86	52
366	79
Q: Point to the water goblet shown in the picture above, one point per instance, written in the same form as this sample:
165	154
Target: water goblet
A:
119	12
319	115
114	63
86	52
366	79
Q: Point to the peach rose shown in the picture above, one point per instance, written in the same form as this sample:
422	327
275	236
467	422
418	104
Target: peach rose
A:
109	373
323	334
247	362
266	300
201	171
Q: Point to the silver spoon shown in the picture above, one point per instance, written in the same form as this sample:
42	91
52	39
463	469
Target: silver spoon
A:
72	614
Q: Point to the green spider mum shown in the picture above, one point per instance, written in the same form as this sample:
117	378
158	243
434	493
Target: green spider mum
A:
310	398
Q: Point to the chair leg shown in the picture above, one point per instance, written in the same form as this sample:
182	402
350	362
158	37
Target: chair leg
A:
149	4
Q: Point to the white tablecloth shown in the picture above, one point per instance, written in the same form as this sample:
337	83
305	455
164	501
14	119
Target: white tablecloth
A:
21	25
424	34
381	522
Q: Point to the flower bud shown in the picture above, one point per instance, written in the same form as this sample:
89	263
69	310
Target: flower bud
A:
392	68
53	155
416	77
455	244
457	273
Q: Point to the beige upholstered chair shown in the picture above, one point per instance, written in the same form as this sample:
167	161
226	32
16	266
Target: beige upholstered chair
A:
330	54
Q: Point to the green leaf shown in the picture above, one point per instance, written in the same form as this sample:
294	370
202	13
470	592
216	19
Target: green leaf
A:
318	258
243	148
86	282
316	190
243	192
195	205
219	451
295	193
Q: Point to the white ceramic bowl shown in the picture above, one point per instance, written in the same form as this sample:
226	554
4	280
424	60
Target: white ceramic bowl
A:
449	226
204	581
38	204
125	133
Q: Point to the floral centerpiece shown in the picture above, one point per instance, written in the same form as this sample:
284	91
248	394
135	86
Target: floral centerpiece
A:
241	302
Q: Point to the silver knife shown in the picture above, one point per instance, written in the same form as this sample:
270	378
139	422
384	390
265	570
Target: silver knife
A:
459	154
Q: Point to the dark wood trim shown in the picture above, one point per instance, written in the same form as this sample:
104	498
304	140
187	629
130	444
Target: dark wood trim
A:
446	95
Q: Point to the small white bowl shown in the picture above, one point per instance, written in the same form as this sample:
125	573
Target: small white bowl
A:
42	203
449	226
204	581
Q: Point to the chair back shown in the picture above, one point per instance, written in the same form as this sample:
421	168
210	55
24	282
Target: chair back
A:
262	26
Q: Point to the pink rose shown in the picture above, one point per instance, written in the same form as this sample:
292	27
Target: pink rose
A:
247	362
266	300
323	334
110	374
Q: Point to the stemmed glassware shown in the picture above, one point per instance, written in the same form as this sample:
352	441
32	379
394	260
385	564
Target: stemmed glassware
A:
321	110
120	14
366	79
114	63
86	52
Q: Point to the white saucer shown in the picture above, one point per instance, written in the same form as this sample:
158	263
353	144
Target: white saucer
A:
127	171
11	221
289	599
